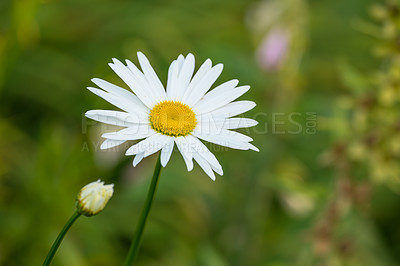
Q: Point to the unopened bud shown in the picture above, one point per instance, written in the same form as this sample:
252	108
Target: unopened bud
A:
93	197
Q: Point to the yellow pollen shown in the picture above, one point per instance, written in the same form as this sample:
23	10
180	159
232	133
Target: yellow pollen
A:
173	118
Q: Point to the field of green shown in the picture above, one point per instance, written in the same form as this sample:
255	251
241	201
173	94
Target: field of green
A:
324	189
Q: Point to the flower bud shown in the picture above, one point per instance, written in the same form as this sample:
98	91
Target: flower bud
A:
93	197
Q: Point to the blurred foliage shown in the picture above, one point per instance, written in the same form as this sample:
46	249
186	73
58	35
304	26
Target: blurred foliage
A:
324	190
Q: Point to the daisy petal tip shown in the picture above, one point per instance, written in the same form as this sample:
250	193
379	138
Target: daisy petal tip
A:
246	87
164	163
95	90
212	176
254	148
91	114
220	171
141	55
106	135
190	55
138	158
116	63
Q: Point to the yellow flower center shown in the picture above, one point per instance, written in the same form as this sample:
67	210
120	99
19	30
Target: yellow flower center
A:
173	118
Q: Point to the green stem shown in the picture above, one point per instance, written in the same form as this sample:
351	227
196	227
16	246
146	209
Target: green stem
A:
134	249
60	237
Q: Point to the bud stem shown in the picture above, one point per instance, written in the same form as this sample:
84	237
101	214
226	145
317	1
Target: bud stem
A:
60	237
134	249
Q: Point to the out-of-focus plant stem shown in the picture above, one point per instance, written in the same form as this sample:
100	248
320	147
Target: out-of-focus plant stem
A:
60	237
134	249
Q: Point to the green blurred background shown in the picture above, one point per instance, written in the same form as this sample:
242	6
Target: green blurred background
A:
322	191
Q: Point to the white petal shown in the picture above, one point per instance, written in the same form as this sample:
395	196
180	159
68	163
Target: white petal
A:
119	102
110	143
141	82
230	123
134	83
138	131
212	102
161	142
201	149
149	145
254	148
173	72
120	92
166	152
224	140
229	110
204	165
152	78
185	74
114	117
223	133
138	158
203	70
204	85
239	122
180	61
236	135
223	88
185	150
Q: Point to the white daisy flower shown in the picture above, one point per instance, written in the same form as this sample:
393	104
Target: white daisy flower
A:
182	114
